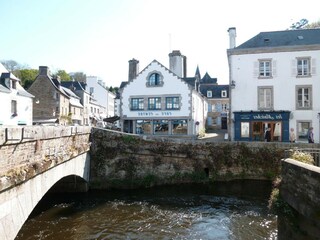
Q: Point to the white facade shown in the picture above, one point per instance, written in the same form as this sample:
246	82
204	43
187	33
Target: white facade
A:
147	107
104	98
16	103
276	87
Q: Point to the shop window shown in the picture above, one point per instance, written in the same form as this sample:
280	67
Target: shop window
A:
302	130
245	129
161	127
143	127
180	127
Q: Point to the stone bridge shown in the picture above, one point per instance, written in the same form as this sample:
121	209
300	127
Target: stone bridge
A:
36	159
32	160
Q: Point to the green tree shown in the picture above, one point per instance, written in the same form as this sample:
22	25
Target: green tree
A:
64	76
113	89
27	76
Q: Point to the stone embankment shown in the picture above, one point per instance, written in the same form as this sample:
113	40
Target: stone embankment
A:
129	161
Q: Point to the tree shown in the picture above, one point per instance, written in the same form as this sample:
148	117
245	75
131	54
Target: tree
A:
313	25
10	65
113	89
78	76
64	76
27	76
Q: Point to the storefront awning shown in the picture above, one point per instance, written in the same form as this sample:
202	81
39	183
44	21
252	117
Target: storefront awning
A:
111	119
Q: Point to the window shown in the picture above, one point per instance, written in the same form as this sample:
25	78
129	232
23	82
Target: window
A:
303	97
245	129
154	103
14	84
302	132
172	103
265	98
209	94
224	93
180	126
160	127
265	68
14	108
137	104
154	79
91	90
303	67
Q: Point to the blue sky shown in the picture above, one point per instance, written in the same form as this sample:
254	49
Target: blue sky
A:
99	37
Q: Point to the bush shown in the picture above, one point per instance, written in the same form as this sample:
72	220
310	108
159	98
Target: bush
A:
303	157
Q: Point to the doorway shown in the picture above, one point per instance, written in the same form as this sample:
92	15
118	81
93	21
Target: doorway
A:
259	129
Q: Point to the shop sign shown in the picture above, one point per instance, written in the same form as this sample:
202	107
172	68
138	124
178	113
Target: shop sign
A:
154	114
266	116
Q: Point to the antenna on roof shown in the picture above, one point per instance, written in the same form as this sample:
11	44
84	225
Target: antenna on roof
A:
299	25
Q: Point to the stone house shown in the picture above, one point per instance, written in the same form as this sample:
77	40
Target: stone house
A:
79	88
274	79
161	101
52	103
16	102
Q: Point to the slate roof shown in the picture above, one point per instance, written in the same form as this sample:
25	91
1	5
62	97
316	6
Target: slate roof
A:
216	90
283	38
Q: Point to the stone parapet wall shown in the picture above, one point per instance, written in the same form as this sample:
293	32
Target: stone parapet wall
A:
128	161
29	150
300	188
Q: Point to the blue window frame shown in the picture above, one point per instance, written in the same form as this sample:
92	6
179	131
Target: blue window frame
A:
172	103
137	104
154	79
154	103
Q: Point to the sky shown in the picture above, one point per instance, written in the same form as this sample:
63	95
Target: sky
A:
99	37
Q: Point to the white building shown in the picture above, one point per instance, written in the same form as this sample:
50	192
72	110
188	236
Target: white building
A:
274	82
103	97
16	103
158	101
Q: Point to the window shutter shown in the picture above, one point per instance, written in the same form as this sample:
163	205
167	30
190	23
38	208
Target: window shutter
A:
274	68
313	66
256	69
294	68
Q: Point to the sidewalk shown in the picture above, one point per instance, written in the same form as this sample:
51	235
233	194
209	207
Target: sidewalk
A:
215	136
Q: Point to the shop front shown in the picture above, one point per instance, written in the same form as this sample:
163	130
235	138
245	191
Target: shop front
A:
252	126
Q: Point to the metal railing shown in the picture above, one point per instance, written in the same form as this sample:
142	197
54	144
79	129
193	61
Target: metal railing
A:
314	152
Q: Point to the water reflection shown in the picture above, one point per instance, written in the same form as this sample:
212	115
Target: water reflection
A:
234	210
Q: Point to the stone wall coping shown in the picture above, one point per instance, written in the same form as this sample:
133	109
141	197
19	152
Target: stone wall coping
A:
17	134
300	164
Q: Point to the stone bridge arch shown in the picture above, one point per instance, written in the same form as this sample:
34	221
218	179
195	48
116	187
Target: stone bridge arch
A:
18	202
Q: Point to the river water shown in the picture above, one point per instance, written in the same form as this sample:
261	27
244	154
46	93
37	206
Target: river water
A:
233	210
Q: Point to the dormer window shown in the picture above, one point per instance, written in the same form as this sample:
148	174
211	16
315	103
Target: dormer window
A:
154	79
224	93
209	94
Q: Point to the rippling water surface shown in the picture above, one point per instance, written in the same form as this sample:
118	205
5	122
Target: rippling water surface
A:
234	210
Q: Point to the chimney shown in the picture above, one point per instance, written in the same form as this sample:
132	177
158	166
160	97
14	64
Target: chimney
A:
133	69
44	70
232	37
178	63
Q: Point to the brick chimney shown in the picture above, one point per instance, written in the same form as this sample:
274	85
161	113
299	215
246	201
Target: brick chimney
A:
44	70
178	63
133	69
232	37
